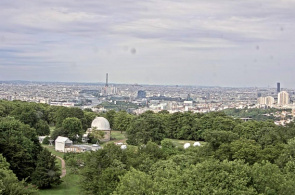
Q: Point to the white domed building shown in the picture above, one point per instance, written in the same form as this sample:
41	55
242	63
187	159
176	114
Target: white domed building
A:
101	124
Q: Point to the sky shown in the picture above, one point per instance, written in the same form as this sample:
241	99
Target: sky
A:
242	43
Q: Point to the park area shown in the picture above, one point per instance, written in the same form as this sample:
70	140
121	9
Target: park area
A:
70	184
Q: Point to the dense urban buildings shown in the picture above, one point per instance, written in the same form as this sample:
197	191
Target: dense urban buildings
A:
140	98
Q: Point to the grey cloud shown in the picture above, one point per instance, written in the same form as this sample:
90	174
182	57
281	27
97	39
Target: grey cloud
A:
193	34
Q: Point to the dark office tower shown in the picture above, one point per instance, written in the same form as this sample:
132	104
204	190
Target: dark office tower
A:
208	96
141	94
259	94
107	78
278	87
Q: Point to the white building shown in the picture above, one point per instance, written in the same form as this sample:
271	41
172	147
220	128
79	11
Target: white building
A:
283	98
268	101
61	143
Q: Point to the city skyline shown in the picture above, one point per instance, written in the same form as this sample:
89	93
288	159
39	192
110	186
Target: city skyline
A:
196	43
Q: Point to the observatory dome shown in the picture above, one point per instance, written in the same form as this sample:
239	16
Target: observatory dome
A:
101	123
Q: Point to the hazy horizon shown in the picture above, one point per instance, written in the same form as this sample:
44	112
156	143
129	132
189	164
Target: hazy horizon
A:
247	43
156	84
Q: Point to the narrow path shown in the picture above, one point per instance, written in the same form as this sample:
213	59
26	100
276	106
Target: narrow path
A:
63	166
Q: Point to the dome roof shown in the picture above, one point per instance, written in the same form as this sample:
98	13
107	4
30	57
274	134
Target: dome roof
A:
100	123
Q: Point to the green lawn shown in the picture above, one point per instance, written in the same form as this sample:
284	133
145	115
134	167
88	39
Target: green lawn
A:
52	150
115	137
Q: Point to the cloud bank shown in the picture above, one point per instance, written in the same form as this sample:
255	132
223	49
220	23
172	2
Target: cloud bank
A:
193	42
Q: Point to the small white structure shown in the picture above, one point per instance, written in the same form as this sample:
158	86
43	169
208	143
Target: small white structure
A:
61	143
197	144
186	145
123	147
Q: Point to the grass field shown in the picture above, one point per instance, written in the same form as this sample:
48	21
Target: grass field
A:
117	136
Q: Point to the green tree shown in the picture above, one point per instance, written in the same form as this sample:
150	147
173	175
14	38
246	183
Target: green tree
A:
216	138
9	183
144	128
247	150
62	113
102	169
122	121
46	173
89	117
110	116
42	128
19	145
134	182
72	127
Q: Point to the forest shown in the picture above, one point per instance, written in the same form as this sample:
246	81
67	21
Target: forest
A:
236	157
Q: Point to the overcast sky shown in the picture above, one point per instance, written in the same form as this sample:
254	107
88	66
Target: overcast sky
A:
233	43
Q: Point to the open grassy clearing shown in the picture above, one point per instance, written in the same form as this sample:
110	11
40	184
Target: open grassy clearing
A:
52	150
116	136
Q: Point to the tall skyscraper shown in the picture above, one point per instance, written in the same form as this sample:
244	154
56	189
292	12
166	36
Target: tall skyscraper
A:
107	80
141	94
283	98
278	87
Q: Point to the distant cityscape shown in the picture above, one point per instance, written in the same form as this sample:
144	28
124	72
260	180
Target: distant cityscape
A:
140	98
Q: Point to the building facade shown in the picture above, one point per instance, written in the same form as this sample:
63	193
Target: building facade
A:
283	98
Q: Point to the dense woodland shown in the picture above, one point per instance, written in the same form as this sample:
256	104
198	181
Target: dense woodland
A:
236	157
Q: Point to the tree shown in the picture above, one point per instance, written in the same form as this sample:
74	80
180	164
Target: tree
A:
216	138
96	135
102	169
110	115
46	140
134	182
72	127
26	114
89	117
268	179
144	128
122	121
9	183
247	150
62	113
46	173
42	128
20	146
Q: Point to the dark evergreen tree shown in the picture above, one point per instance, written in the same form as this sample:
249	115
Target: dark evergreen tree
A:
46	173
